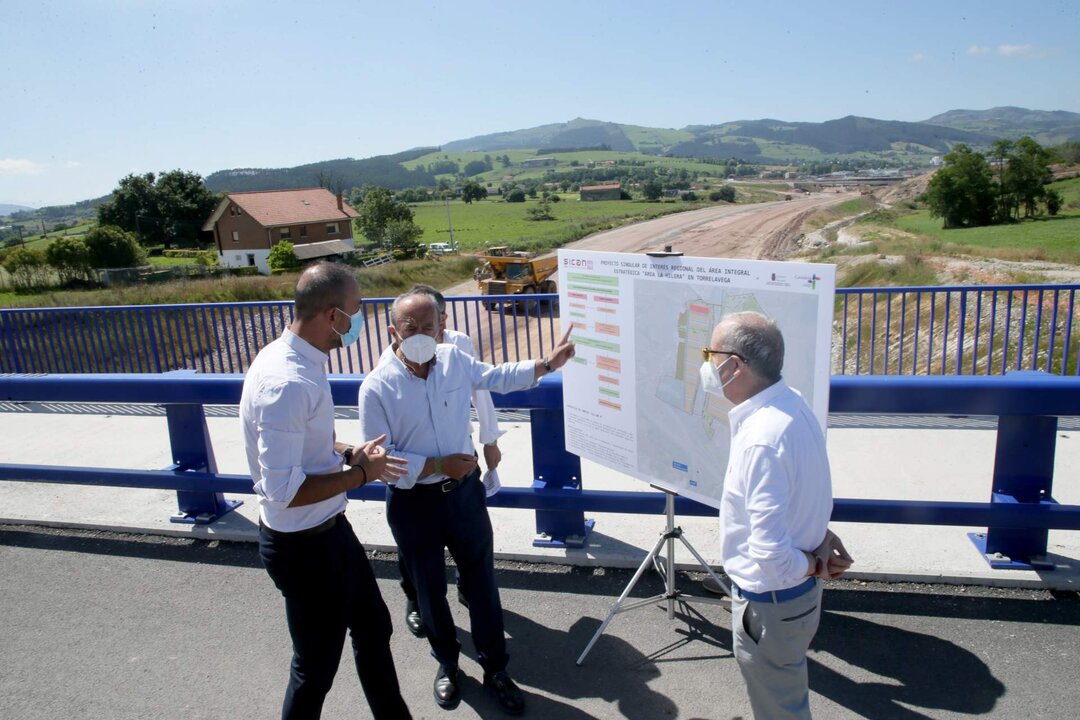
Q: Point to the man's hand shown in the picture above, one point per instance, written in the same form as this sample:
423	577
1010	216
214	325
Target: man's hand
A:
563	351
832	558
377	463
457	465
492	456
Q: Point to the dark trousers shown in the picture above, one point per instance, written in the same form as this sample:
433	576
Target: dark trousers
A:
425	522
329	588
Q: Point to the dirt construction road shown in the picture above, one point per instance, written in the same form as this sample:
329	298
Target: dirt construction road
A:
763	231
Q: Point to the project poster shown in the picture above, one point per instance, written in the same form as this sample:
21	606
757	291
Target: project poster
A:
631	395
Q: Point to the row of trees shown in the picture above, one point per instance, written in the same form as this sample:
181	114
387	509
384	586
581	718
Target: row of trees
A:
73	259
160	209
1003	185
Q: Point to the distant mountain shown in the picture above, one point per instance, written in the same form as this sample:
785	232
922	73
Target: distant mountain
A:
1047	127
752	140
889	142
7	208
384	170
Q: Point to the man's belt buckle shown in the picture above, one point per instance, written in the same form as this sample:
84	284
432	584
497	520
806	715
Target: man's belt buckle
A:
449	485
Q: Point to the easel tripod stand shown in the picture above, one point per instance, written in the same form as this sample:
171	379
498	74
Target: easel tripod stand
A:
671	592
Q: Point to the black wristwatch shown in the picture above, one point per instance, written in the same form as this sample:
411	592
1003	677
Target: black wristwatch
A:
547	366
346	454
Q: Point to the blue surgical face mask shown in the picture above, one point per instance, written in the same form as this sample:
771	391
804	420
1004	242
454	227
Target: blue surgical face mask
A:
356	324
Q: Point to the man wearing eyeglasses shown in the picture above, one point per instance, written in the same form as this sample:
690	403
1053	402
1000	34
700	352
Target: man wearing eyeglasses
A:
774	514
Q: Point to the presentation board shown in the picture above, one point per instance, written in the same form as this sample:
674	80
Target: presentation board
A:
631	395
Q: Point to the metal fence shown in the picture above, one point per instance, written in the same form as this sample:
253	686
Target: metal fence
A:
974	330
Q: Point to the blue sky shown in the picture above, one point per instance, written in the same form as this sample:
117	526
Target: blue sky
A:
94	89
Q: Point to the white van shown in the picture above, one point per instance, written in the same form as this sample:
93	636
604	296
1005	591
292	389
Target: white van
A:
440	249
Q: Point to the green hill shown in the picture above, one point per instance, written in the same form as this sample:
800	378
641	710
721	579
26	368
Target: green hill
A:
1045	127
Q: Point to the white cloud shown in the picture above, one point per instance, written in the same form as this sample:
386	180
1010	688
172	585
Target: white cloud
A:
72	164
15	166
976	50
1027	51
918	57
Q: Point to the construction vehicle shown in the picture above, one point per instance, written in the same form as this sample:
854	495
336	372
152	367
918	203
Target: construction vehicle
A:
506	272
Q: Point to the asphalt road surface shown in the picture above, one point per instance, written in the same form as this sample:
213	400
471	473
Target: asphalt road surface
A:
103	625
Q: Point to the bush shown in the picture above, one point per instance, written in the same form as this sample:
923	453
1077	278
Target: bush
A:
192	254
70	258
283	257
28	268
724	193
689	196
111	247
516	195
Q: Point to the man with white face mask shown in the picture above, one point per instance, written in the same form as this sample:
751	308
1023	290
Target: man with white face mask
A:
774	514
420	400
488	437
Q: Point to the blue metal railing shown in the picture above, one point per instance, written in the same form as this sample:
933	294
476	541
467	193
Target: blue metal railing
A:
958	330
1020	511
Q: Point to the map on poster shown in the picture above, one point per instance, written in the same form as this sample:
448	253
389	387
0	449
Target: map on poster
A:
632	400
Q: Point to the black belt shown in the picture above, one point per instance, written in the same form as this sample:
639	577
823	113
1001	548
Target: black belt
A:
778	596
449	484
306	532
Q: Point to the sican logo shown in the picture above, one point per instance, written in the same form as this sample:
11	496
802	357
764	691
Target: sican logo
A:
578	263
812	280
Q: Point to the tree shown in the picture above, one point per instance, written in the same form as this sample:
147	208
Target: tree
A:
27	267
402	234
377	211
999	151
652	190
541	211
689	196
160	209
472	191
516	195
475	167
1028	171
283	256
70	258
962	191
725	193
1053	202
110	247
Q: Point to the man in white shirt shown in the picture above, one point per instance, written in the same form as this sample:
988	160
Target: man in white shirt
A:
420	401
774	514
489	439
306	544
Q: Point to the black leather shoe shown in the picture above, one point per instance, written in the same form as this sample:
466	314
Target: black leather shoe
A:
508	693
447	689
413	621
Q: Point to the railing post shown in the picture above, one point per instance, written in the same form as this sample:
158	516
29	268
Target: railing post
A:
192	452
554	468
1023	473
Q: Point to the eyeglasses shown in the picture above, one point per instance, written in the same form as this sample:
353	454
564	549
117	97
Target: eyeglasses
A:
706	353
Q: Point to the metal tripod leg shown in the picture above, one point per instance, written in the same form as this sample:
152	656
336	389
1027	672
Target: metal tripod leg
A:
666	571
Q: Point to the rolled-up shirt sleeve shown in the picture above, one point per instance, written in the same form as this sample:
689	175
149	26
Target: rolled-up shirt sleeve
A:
374	422
283	411
768	495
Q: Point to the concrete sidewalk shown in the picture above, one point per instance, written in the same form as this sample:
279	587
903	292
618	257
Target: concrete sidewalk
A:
910	458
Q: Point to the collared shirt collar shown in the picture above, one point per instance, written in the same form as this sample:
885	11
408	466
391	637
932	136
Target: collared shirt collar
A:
303	347
752	404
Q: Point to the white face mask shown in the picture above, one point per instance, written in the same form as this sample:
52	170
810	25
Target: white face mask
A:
710	377
418	348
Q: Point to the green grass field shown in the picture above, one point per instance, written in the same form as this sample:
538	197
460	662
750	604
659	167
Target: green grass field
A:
487	222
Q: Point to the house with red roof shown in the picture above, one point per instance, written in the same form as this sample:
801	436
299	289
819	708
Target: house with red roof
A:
247	224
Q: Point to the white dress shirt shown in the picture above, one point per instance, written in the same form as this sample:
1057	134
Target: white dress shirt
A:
430	418
481	399
777	496
288	417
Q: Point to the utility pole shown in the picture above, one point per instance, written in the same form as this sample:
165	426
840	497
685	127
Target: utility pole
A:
449	222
